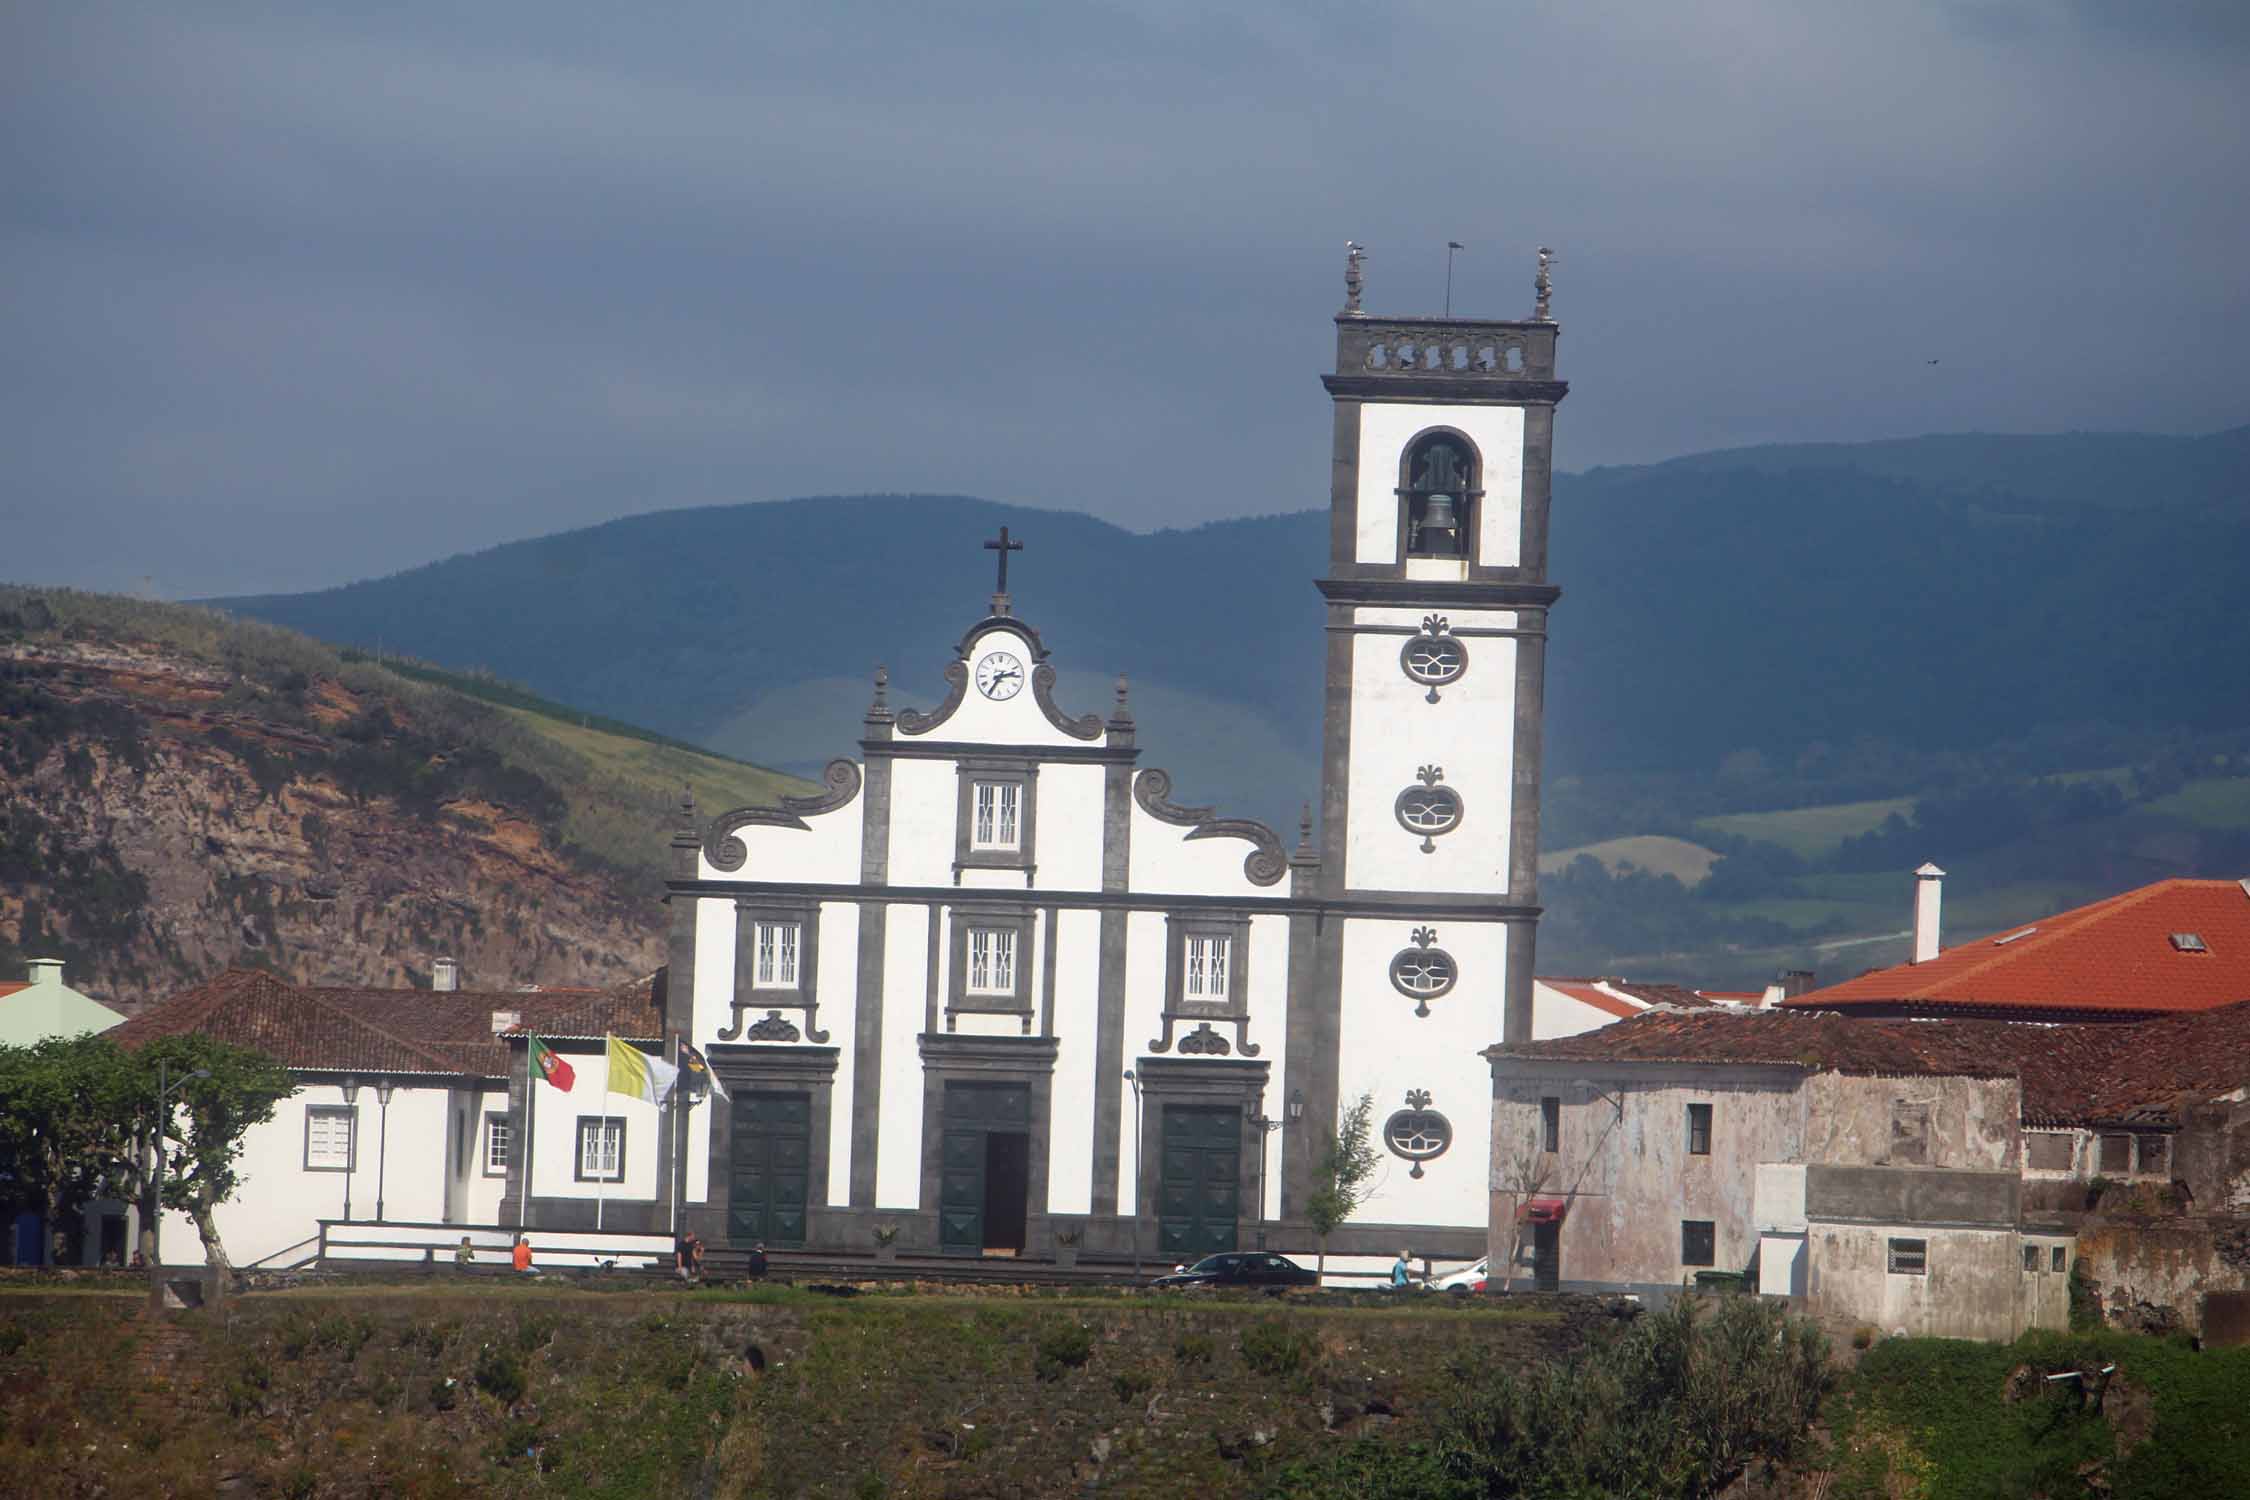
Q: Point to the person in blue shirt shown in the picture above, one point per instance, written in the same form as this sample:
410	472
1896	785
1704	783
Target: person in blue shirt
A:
1398	1271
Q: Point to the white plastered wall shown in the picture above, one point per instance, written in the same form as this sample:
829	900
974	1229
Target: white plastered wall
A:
1068	844
1469	734
1385	1049
838	994
1070	1140
825	850
554	1144
898	1150
1385	428
279	1203
1166	861
1144	1018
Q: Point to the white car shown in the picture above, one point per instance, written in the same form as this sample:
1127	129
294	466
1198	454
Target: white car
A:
1468	1279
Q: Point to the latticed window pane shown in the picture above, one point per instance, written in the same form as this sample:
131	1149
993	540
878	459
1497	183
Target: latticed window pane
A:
1218	967
777	954
1431	811
499	1140
1006	836
1003	961
988	797
1424	973
980	960
601	1149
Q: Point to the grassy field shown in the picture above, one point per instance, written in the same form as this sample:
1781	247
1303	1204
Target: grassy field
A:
1658	854
657	769
1943	1419
1810	831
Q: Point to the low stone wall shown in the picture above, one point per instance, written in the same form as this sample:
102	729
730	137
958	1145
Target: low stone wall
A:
2155	1274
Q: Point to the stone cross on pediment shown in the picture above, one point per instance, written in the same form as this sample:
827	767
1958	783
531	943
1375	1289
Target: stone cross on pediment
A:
1003	546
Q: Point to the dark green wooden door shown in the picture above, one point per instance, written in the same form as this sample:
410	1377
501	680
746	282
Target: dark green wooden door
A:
972	1111
771	1168
1199	1194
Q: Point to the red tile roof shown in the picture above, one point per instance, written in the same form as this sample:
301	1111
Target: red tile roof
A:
1590	992
386	1030
1820	1042
2071	1075
2113	958
11	986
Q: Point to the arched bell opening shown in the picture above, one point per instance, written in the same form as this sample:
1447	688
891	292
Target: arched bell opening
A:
1439	492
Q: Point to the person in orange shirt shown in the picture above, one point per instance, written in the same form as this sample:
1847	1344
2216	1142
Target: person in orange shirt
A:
523	1255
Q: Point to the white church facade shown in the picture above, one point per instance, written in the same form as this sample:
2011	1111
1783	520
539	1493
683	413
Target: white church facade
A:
999	986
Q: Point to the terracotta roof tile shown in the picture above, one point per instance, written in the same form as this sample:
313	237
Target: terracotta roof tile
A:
387	1030
2077	1075
2114	957
1585	993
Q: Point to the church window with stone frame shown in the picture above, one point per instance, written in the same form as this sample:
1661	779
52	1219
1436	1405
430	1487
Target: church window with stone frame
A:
1438	494
1203	968
774	966
992	961
997	811
601	1148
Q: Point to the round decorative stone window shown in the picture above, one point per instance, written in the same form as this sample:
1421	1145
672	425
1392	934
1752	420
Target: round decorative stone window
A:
1431	809
1418	1133
1424	971
1435	657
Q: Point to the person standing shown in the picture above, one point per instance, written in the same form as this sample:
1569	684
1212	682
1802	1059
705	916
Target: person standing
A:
464	1254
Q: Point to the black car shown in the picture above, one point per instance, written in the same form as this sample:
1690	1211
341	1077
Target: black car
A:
1250	1268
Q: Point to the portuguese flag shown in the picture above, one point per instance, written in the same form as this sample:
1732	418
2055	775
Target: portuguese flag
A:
551	1067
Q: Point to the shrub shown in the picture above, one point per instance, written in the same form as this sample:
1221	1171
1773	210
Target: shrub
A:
1064	1346
1372	1469
1274	1347
1193	1348
499	1375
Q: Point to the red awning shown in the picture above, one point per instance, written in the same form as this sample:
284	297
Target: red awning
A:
1545	1210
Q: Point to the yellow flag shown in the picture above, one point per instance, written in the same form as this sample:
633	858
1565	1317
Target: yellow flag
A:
635	1073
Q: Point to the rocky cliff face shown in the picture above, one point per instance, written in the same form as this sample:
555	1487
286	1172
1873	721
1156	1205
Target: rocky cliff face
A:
163	817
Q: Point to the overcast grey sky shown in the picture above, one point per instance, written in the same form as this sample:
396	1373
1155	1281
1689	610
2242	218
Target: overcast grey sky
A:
300	293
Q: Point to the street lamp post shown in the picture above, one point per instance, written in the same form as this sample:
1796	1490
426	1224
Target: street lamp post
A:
1265	1127
351	1140
165	1088
1140	1177
382	1145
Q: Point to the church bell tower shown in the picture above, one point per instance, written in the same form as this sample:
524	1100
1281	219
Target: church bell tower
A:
1437	606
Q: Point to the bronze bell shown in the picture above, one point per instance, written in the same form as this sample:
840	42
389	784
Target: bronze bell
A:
1439	532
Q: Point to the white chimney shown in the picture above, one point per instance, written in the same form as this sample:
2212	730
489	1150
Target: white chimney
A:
44	971
1929	892
445	974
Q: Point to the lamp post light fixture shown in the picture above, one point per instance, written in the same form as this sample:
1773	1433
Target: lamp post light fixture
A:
166	1087
1265	1126
1296	1106
351	1139
1140	1177
382	1144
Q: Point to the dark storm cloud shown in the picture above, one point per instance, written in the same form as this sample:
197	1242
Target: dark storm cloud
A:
296	295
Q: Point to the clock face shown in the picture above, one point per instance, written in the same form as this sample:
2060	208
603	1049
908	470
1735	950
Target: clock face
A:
999	675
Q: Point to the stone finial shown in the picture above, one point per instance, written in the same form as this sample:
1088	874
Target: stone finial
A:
1354	278
1304	831
880	706
1544	286
686	818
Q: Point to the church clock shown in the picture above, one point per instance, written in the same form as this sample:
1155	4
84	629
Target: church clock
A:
999	675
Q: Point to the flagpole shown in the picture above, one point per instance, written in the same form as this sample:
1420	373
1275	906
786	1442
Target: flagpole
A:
672	1132
601	1131
523	1149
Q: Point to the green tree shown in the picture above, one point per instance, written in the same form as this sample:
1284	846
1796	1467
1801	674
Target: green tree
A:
1342	1175
67	1112
205	1123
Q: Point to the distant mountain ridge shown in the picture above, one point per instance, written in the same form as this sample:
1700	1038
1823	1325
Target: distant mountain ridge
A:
1938	592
